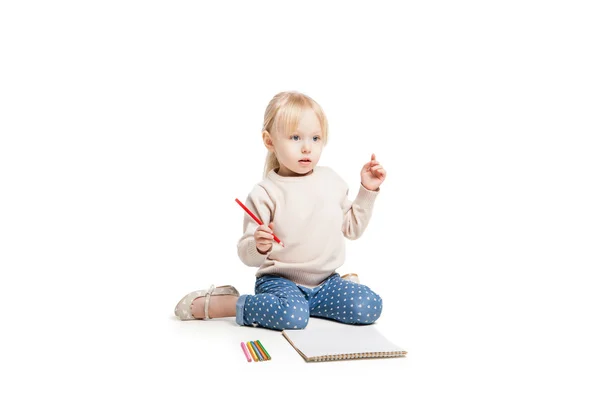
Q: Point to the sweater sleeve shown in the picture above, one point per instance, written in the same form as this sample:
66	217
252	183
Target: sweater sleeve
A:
358	213
261	205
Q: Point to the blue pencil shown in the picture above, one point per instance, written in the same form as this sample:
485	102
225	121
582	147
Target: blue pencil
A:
258	354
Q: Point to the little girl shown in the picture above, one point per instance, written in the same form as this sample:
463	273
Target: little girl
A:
307	208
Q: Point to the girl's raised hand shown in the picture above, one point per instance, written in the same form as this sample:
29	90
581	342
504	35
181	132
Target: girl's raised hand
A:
372	174
263	236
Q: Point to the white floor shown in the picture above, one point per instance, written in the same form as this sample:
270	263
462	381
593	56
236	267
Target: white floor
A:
127	351
463	340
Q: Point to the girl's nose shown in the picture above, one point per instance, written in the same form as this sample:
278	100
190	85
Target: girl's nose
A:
306	146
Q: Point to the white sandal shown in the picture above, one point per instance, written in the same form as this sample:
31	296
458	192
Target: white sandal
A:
183	310
351	277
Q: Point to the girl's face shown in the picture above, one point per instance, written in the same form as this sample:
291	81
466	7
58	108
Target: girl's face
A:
299	152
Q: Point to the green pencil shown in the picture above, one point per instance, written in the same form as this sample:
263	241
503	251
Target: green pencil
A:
263	349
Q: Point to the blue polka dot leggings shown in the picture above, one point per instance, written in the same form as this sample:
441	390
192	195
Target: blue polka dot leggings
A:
281	304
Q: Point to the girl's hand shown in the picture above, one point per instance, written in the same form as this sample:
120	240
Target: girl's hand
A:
372	174
263	236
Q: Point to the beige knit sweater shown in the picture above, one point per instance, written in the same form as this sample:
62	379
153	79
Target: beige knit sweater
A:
311	216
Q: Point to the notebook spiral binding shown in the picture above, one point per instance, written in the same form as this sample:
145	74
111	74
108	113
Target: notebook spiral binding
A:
352	356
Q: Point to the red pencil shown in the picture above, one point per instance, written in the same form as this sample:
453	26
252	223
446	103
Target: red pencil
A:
258	221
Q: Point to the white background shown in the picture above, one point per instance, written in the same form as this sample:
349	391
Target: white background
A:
129	128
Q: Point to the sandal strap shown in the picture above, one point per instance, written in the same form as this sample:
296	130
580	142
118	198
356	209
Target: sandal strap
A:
207	301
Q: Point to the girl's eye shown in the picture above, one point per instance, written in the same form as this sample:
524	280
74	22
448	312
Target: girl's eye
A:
296	138
316	138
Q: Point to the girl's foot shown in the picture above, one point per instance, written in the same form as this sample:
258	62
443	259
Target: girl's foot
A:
215	302
218	306
351	277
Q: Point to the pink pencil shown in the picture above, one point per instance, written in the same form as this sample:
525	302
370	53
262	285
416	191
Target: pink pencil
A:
246	352
258	221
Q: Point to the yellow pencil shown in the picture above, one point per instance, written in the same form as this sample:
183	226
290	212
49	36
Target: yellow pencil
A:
252	351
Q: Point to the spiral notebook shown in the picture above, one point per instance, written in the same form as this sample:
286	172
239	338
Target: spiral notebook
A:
332	341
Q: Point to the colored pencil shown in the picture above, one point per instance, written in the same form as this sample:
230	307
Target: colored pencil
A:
251	351
263	349
258	354
262	353
246	352
258	221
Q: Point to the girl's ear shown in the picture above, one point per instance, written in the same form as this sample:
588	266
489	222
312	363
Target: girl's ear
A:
268	141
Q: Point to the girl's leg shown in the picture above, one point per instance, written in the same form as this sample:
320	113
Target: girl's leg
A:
346	301
278	304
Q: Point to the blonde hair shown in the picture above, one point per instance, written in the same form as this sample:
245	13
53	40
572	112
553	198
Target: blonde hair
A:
282	115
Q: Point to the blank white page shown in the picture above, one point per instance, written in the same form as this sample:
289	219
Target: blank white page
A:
333	338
